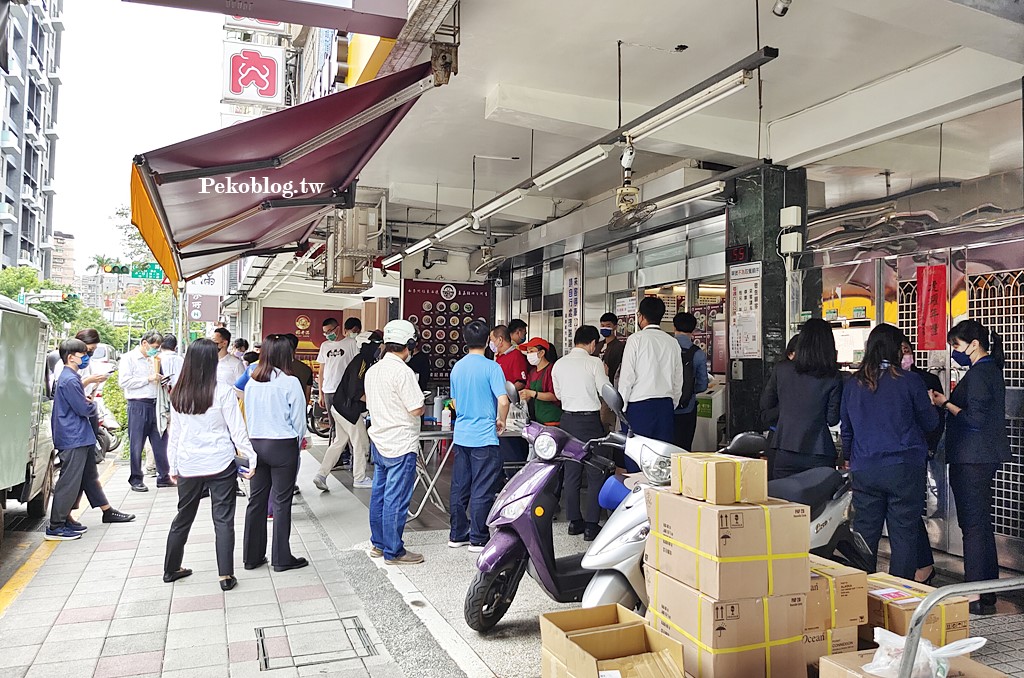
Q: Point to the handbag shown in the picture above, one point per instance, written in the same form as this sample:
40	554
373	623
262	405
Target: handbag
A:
518	417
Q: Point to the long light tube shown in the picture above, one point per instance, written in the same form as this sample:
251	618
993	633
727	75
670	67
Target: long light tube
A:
691	195
698	101
419	247
451	229
572	166
392	260
498	204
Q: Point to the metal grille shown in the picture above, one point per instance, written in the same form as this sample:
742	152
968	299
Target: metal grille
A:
997	301
907	318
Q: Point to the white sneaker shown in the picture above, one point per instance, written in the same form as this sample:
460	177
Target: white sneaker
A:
473	548
320	482
364	484
457	544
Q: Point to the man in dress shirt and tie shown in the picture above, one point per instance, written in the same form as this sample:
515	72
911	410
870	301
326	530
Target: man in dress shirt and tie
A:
651	376
578	379
138	377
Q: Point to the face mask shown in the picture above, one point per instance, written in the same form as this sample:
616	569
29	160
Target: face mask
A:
533	358
152	352
353	334
906	362
331	336
493	347
606	332
85	362
408	357
961	359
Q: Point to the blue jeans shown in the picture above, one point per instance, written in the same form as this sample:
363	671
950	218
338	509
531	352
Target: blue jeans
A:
393	480
474	479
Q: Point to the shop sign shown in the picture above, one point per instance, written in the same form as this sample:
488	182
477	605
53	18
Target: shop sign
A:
832	314
440	310
202	308
211	282
931	308
241	23
625	306
253	74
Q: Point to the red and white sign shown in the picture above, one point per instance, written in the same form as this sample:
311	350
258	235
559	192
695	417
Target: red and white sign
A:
242	23
253	74
931	308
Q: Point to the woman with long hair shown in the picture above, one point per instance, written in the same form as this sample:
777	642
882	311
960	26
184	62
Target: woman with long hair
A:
887	415
206	430
805	392
976	446
275	409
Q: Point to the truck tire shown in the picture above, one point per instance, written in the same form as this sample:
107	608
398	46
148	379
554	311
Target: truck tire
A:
38	505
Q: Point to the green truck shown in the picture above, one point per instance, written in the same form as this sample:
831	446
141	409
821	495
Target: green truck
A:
26	444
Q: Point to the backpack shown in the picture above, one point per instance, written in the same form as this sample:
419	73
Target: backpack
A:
689	375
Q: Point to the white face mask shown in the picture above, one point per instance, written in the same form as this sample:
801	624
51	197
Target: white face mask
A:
533	358
493	347
408	357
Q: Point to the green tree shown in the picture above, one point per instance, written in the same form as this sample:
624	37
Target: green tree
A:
93	317
15	279
135	248
152	310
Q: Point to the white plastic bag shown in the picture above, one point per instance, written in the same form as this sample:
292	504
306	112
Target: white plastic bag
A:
930	661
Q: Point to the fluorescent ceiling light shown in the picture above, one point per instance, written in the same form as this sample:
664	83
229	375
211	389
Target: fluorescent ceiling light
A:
392	260
498	204
691	195
451	229
572	166
419	247
689	106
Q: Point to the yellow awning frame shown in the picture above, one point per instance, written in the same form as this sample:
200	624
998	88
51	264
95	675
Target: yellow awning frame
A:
152	229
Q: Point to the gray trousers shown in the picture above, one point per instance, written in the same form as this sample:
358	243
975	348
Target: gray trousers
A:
73	464
584	426
222	499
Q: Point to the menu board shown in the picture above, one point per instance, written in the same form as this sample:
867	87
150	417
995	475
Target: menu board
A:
440	310
706	315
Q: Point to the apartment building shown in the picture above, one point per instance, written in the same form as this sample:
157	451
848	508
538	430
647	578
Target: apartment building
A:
62	259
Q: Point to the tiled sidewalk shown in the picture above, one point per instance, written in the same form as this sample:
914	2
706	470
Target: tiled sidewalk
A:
99	607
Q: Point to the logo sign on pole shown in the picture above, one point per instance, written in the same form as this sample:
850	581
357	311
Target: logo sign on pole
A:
253	74
242	23
203	308
150	271
211	283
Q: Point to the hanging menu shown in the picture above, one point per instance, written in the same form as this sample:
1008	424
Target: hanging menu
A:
440	310
745	311
706	315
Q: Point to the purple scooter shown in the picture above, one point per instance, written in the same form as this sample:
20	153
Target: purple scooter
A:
520	523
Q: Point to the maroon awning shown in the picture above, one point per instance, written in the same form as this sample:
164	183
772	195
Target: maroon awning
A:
204	223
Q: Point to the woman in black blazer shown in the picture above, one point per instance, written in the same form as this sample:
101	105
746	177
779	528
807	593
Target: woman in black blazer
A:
806	392
976	446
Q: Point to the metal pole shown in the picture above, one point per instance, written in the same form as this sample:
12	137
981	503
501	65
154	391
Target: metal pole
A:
936	596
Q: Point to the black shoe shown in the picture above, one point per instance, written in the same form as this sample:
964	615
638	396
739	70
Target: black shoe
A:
167	484
294	565
206	493
982	608
296	490
115	516
576	527
590	532
140	488
175	576
239	492
228	584
254	566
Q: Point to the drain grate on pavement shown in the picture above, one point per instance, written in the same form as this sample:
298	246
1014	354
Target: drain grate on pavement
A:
22	523
313	643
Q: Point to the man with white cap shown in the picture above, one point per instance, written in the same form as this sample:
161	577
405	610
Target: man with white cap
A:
395	403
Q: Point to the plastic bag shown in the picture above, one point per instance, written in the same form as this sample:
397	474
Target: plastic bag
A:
930	661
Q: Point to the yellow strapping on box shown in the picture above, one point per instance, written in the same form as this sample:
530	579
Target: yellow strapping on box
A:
915	594
716	458
824	572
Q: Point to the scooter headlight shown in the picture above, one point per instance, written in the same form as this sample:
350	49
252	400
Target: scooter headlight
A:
546	447
515	509
637	534
657	467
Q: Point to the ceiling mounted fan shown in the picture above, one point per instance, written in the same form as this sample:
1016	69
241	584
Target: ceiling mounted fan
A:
488	261
629	210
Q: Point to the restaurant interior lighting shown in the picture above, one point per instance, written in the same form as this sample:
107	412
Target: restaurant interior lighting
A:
419	247
689	106
451	229
498	204
691	195
572	166
388	262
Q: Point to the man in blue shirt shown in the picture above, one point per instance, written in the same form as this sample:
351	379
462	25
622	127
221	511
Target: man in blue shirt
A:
481	405
695	372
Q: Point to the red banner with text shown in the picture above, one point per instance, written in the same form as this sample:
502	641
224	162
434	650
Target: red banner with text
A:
931	308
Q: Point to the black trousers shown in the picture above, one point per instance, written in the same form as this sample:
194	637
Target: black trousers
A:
582	426
73	465
972	492
222	499
685	428
276	468
91	485
790	463
892	496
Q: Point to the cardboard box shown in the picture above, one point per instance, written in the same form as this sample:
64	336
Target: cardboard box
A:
734	637
892	601
724	551
849	666
550	666
838	597
635	651
820	643
556	627
720	478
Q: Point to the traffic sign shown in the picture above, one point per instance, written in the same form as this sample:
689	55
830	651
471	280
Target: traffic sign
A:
150	271
21	297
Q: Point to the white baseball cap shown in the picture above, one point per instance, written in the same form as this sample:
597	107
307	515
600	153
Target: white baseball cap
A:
399	332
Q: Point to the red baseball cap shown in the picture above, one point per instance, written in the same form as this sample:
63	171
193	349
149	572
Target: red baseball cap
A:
536	342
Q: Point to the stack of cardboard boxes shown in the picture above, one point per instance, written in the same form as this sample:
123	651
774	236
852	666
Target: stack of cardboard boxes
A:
891	604
728	580
837	605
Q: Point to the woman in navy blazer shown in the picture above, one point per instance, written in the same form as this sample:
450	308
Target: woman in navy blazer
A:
976	446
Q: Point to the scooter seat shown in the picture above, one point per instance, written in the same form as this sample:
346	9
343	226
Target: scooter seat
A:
813	487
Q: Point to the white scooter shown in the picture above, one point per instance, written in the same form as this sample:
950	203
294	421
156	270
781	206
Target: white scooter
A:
617	553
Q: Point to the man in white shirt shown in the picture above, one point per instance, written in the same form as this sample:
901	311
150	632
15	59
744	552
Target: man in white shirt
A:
330	359
395	403
139	379
578	378
229	368
651	376
168	363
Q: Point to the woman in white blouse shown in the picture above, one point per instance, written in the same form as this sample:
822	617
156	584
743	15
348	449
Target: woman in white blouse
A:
206	430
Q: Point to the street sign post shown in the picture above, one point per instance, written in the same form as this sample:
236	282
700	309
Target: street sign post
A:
150	271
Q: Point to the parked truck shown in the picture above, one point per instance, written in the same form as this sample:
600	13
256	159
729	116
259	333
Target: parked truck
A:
26	443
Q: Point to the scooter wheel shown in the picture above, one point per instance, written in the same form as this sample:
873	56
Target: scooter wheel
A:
115	440
491	594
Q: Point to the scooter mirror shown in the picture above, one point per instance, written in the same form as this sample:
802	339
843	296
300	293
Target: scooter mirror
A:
747	444
613	400
513	394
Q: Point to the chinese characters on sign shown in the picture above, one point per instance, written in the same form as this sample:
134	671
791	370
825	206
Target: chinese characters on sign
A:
202	308
745	311
253	73
931	308
572	314
440	310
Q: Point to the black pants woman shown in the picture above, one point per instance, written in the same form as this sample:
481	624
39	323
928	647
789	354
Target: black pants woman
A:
274	480
223	498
